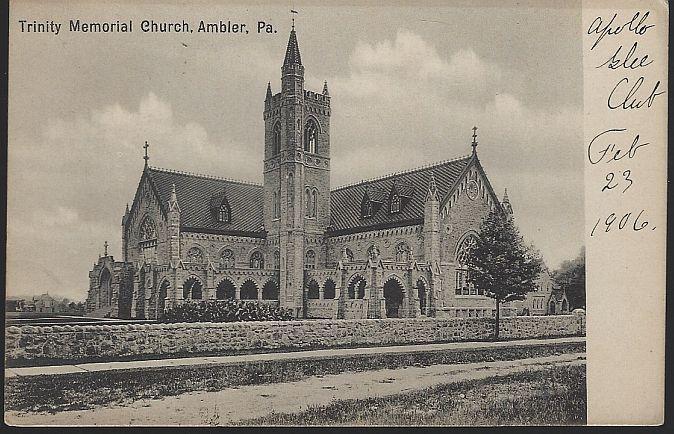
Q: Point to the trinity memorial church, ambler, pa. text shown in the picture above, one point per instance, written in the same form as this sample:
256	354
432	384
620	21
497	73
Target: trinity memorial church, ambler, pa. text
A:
389	247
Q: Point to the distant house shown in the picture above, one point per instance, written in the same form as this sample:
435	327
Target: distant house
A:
545	299
15	305
44	303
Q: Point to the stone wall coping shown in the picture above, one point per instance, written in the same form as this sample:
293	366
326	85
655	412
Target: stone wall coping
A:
28	329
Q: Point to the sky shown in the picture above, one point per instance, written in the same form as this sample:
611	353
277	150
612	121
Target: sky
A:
407	84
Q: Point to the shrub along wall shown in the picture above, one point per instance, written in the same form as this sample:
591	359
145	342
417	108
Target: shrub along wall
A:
28	345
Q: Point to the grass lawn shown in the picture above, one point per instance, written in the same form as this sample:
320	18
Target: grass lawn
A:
555	396
53	393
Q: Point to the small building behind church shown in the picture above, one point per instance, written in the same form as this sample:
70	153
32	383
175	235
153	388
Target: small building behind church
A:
389	247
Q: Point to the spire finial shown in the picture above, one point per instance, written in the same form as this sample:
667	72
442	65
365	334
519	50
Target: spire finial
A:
269	95
474	144
146	157
293	17
505	196
325	88
105	248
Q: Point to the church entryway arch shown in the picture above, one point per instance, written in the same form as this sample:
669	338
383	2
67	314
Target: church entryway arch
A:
552	307
356	288
393	295
421	289
161	300
313	291
270	290
249	290
105	288
225	290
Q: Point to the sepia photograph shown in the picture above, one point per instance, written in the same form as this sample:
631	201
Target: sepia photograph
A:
294	214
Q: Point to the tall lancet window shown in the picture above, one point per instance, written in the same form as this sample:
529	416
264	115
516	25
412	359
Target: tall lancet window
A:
310	136
276	139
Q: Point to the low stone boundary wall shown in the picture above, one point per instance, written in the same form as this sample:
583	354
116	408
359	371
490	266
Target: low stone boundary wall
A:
30	345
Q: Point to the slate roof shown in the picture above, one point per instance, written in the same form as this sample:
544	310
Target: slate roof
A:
195	194
345	202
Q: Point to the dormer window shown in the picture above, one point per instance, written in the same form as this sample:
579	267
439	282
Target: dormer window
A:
223	214
395	203
367	208
220	208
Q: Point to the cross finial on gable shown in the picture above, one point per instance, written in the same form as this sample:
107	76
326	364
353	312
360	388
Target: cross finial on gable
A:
105	247
146	158
474	144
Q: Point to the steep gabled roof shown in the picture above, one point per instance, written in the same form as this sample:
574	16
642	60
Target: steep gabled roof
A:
195	194
345	202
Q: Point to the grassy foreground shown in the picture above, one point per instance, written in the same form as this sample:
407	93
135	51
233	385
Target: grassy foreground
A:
54	393
555	396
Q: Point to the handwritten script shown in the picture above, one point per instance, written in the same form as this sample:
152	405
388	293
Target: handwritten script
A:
632	89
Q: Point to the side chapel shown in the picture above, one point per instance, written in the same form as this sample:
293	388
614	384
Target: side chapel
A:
388	247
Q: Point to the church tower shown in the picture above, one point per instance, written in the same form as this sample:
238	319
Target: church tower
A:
296	172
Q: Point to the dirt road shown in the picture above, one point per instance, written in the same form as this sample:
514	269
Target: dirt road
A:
240	403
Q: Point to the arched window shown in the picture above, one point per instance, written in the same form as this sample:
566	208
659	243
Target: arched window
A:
310	136
277	260
402	252
192	289
257	260
148	230
223	214
329	289
349	254
227	258
373	252
395	203
195	255
310	260
276	205
291	189
463	287
356	288
307	203
314	202
276	139
313	290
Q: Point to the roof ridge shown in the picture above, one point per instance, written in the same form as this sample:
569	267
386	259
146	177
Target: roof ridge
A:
404	172
201	175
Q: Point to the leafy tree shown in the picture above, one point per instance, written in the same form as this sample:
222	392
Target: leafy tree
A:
501	264
571	277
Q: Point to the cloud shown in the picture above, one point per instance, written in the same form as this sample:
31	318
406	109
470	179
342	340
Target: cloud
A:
72	194
404	99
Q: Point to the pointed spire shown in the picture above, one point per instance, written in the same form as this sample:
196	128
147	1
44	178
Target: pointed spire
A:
146	157
269	95
105	248
474	144
432	189
127	208
325	89
173	201
505	197
293	51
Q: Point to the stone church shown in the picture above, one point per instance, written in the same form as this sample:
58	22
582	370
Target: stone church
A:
388	247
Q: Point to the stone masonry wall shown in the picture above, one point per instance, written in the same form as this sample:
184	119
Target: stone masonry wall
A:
60	344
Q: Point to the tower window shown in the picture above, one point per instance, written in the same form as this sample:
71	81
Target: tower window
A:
310	136
276	205
276	138
310	260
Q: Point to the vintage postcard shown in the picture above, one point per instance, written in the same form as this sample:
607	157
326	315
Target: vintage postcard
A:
315	214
